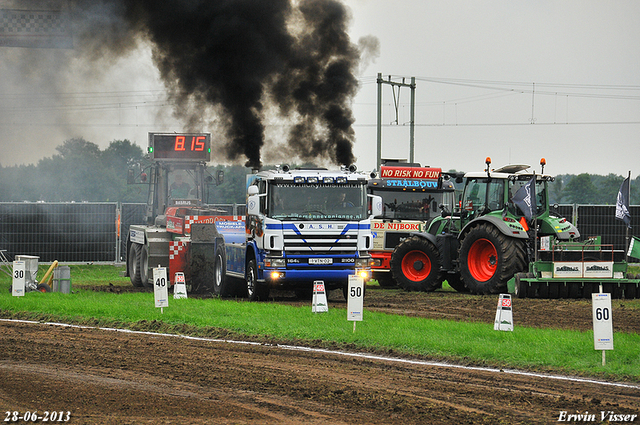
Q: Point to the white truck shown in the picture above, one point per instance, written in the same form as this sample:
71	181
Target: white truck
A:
304	225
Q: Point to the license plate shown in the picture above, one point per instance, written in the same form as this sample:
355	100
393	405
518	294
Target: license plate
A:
320	260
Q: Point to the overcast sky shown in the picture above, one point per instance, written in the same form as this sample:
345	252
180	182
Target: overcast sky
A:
476	63
513	80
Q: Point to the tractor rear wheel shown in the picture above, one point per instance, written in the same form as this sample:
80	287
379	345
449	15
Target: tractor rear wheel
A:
488	259
415	265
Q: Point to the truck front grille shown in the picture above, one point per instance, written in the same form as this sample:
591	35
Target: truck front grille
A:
320	244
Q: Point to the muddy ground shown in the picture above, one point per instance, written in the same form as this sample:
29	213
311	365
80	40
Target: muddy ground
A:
110	377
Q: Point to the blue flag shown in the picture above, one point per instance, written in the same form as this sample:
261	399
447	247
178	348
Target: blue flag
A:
524	199
622	204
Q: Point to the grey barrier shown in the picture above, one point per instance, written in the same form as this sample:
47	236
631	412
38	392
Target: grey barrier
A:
97	232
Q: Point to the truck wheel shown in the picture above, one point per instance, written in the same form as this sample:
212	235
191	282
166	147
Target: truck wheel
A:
255	291
488	259
385	279
220	284
520	290
134	267
143	266
415	265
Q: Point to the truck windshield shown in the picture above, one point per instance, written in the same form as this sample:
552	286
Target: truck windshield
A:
482	196
290	201
413	205
182	184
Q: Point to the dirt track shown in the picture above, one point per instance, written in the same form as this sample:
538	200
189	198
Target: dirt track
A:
108	377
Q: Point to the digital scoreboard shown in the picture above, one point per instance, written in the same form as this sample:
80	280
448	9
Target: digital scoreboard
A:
180	146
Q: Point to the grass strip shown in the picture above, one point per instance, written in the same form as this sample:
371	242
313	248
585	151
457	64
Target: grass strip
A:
550	350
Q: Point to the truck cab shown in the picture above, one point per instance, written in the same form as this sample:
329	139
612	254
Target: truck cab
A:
412	197
307	224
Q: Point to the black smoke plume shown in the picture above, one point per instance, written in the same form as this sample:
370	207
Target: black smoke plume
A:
236	56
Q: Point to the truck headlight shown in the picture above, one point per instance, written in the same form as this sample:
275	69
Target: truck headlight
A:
363	262
275	262
275	275
364	274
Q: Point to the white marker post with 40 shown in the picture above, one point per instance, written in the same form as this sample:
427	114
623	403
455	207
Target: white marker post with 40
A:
160	290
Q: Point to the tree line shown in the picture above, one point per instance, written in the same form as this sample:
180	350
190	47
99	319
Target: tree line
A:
81	172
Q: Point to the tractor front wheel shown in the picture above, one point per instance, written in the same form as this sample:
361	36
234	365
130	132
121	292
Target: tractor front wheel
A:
488	259
415	265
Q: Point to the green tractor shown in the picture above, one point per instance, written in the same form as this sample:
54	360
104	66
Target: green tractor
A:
489	238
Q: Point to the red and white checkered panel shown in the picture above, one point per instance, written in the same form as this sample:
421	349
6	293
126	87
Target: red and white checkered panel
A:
177	258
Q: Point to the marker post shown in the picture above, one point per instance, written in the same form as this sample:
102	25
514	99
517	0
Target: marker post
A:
355	299
160	291
602	323
319	303
504	314
179	287
18	283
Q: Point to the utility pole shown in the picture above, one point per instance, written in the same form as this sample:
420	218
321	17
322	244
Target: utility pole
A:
412	86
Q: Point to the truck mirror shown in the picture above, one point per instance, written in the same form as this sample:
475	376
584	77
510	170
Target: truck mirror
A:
220	177
376	205
253	204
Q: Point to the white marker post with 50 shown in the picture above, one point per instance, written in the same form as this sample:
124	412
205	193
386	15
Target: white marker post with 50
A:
355	299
